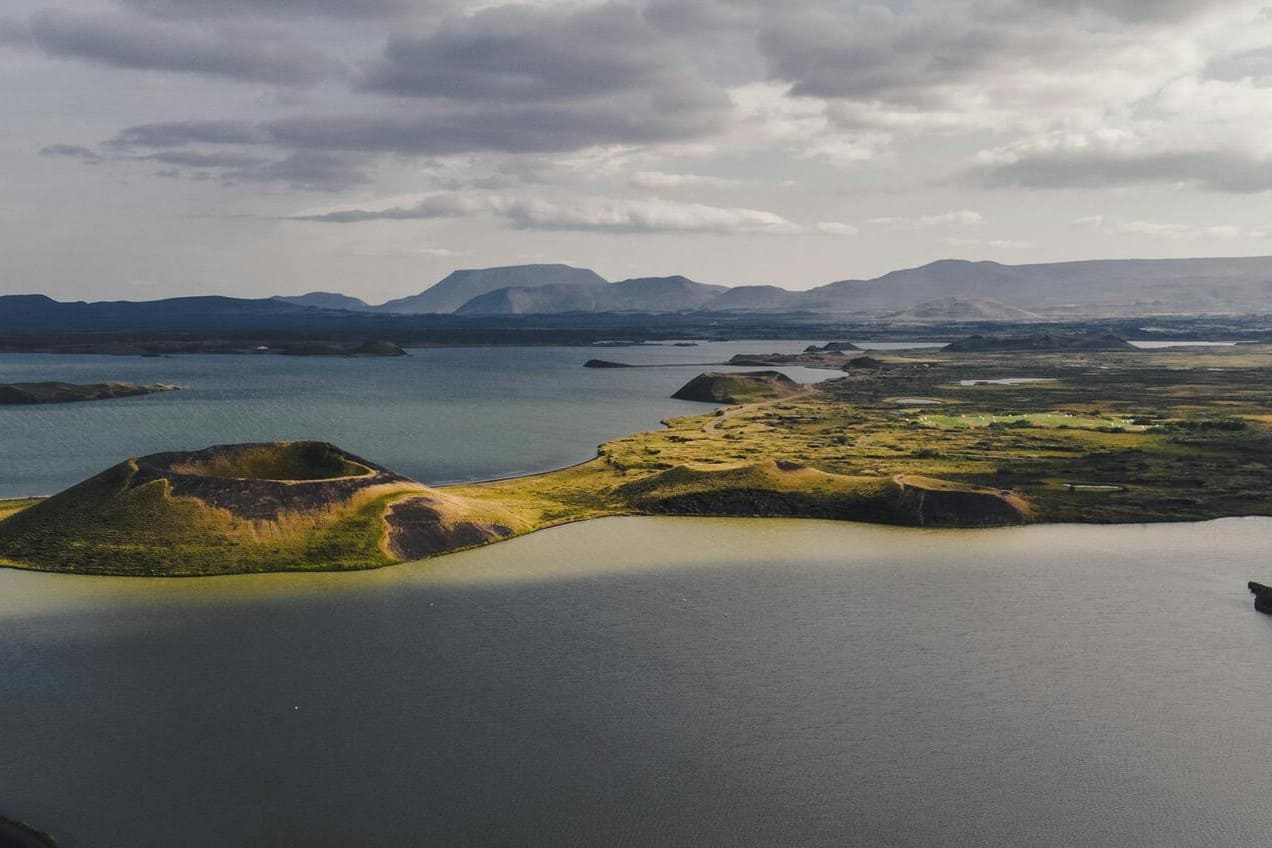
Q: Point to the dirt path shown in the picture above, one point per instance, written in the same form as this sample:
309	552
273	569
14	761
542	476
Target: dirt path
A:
712	427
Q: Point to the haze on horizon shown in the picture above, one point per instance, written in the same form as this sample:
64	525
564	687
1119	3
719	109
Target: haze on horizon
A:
253	147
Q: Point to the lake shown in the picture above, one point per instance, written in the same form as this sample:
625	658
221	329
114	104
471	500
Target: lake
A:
440	415
631	681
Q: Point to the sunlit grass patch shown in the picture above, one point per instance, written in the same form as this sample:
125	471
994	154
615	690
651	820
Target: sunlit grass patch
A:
1053	420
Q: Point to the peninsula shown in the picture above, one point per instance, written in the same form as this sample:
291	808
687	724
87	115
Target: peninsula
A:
32	393
922	438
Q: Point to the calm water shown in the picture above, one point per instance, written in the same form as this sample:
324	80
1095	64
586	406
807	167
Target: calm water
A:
661	682
439	415
628	681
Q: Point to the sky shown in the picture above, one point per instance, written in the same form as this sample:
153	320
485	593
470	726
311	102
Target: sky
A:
156	148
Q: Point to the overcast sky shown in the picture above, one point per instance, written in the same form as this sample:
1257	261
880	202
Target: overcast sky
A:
255	147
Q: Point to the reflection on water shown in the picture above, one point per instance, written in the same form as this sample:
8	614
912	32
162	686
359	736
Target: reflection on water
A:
660	681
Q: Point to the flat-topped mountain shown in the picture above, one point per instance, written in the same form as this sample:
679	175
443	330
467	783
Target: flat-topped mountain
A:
1040	342
644	294
277	506
945	291
462	286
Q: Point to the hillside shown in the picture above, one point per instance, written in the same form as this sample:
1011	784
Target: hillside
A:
282	506
1097	287
645	294
755	299
459	287
738	387
953	309
326	300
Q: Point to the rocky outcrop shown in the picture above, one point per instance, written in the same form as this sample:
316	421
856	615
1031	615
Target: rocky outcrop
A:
743	387
831	346
424	526
605	363
1262	597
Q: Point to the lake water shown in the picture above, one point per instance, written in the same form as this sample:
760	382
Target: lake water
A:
649	681
440	415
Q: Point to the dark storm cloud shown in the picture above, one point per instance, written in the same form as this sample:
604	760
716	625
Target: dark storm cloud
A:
507	80
128	41
193	159
641	118
279	8
520	54
635	118
1214	170
178	133
307	170
870	52
72	151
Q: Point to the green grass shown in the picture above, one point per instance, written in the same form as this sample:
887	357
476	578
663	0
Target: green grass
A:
1035	419
1178	439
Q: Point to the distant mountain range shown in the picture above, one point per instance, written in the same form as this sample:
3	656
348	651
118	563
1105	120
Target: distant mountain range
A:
941	292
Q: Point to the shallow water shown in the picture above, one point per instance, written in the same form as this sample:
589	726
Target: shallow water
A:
660	681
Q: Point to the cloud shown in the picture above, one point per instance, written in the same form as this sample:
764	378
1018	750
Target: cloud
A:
836	228
196	159
1215	170
999	244
1115	226
644	216
370	9
530	53
179	133
71	151
582	214
306	170
127	41
440	205
959	218
662	180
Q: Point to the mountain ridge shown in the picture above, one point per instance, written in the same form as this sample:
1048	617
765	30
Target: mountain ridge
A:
947	290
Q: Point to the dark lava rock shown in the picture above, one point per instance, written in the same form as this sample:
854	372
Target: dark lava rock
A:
1262	597
605	363
830	347
15	834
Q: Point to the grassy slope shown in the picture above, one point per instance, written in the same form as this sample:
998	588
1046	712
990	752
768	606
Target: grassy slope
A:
102	526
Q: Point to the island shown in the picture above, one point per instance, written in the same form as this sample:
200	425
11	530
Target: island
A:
16	394
313	348
924	439
1092	341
